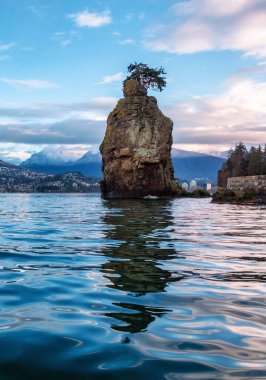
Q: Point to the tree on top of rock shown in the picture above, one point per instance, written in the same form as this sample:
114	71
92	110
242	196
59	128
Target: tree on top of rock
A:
148	77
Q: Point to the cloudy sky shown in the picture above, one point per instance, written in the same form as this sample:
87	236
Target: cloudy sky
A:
62	63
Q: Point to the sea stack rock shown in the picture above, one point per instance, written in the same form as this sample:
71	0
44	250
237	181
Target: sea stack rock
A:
136	150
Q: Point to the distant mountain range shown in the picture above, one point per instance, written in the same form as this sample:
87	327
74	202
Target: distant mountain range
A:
4	164
188	165
89	164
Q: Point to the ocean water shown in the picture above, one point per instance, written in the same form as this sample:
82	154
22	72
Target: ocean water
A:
131	289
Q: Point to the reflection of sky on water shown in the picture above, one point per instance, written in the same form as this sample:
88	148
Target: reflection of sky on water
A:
94	286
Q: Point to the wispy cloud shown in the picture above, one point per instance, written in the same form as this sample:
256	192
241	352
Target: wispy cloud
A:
127	41
16	153
91	19
102	103
236	114
55	123
66	131
129	16
29	83
65	38
39	10
5	47
111	78
51	111
205	25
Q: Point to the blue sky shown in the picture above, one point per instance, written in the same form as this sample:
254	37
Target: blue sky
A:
62	63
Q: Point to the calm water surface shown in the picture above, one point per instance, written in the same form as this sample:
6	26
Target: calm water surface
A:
96	289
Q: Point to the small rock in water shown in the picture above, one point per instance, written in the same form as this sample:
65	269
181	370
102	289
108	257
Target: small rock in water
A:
126	340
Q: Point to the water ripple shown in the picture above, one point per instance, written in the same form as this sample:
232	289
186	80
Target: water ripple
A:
171	289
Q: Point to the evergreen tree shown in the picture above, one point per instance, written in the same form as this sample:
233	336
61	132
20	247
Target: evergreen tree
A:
264	160
148	77
253	161
259	161
238	160
240	163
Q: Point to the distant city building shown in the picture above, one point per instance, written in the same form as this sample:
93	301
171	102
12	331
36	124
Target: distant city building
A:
192	185
207	186
185	186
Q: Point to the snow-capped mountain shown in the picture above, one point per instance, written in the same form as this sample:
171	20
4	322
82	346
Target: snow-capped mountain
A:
48	157
187	164
89	157
48	161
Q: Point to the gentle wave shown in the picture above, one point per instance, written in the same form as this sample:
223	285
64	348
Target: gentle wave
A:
104	289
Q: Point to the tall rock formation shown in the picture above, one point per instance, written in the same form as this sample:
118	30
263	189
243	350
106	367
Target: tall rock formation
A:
136	150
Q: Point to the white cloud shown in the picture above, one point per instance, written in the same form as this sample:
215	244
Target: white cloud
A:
127	41
236	114
20	152
39	10
216	8
112	78
15	152
65	43
205	25
4	57
67	152
59	153
50	112
91	19
91	115
65	38
65	131
213	149
129	17
55	123
29	83
103	102
6	46
204	123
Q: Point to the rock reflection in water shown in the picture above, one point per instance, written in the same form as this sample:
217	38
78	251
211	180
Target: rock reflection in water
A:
89	289
132	265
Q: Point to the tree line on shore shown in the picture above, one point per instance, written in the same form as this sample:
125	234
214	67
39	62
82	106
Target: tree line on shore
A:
241	162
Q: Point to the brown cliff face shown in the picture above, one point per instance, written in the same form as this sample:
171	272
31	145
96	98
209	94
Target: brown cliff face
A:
136	150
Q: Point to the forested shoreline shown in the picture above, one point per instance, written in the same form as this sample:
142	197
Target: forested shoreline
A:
243	162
